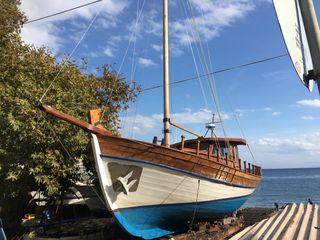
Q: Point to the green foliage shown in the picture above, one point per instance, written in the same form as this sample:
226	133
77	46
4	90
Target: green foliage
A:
31	152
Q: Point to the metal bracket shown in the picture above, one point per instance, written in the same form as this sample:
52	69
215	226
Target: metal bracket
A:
309	76
166	131
166	119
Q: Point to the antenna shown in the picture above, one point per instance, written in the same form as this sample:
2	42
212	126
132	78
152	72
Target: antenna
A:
211	127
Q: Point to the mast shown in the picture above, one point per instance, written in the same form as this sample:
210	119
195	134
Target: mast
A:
313	36
166	115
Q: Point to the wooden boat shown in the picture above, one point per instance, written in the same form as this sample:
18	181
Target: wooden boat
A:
153	189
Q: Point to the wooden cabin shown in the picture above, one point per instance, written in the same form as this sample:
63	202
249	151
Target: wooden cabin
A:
220	150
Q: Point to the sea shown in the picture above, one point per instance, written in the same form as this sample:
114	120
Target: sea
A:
283	186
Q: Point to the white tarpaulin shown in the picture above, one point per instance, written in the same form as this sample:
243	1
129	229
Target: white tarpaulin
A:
291	24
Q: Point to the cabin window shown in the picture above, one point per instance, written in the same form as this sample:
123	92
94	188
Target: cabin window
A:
236	153
224	151
214	151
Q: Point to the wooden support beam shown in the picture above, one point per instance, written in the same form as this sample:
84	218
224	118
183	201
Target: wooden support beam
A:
184	129
82	124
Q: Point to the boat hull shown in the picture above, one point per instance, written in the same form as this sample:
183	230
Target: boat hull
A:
151	200
155	221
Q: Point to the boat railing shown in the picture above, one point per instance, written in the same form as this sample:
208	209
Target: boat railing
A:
230	160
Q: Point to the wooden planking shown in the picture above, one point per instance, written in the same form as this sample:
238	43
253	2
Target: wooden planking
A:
164	151
175	158
145	155
164	186
295	221
84	125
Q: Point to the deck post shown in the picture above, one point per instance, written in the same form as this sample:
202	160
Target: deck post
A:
239	163
198	148
227	159
209	150
249	167
155	140
245	166
182	142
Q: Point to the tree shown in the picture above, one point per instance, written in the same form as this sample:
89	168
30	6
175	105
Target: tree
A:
38	151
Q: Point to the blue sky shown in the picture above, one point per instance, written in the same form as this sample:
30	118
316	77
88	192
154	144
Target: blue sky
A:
276	113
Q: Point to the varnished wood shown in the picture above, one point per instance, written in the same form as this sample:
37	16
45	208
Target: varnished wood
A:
182	143
222	142
175	158
82	124
95	117
184	129
155	140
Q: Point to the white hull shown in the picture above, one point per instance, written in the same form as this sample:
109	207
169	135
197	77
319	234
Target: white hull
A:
149	200
158	185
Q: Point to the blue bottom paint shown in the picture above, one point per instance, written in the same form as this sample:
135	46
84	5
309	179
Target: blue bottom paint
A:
156	221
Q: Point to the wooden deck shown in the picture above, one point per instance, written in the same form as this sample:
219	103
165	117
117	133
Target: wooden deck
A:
295	221
198	164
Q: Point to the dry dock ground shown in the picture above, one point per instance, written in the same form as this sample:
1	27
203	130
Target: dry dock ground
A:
227	227
222	229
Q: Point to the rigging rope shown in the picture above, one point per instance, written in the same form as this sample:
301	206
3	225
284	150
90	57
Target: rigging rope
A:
197	48
58	139
196	66
242	132
210	80
134	120
73	51
122	62
61	12
195	207
217	72
133	65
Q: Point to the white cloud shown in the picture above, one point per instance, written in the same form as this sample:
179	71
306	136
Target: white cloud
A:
146	62
146	125
39	8
108	51
315	103
242	111
306	144
42	35
157	47
201	116
276	113
286	152
210	17
309	118
106	23
239	110
46	32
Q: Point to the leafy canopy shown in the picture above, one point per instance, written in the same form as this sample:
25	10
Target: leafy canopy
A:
31	152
